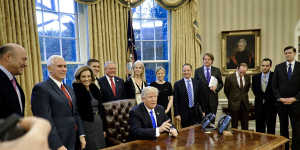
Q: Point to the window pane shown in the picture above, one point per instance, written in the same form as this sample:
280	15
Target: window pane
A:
68	25
52	47
136	29
136	12
39	20
51	5
146	9
150	72
70	73
69	49
42	51
148	30
148	50
166	67
51	24
67	6
45	72
161	29
159	12
138	49
162	50
38	4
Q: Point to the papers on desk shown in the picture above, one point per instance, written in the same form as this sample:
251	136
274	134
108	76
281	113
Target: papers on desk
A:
213	81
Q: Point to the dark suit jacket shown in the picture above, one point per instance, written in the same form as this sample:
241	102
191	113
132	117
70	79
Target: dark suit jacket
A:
83	99
268	95
130	88
181	99
141	124
107	91
213	98
9	101
282	86
235	94
49	102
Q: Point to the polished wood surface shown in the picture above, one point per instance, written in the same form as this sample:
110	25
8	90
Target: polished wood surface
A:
193	138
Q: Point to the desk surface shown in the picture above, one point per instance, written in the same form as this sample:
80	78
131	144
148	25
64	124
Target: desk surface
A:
193	138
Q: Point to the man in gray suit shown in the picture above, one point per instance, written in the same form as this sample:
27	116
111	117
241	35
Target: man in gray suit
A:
236	89
56	102
203	76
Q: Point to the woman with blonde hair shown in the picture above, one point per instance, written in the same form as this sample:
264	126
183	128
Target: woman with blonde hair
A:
90	108
135	84
165	97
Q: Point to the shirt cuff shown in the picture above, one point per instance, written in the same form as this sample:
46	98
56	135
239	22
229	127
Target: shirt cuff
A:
157	132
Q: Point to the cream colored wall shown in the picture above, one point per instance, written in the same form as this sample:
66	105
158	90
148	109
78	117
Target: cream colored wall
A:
277	20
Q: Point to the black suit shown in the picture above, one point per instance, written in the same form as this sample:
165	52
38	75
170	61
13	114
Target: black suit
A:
285	88
213	99
9	101
181	102
107	91
141	124
265	109
48	101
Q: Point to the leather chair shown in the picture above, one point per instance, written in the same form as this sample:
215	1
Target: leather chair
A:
116	120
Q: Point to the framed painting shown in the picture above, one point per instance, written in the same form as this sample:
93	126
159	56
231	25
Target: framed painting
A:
240	46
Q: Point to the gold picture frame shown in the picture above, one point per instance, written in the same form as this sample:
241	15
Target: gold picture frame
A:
240	46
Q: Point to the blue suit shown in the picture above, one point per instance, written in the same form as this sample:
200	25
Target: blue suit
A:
48	101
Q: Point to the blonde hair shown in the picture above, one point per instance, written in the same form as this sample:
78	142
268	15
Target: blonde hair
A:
81	69
142	76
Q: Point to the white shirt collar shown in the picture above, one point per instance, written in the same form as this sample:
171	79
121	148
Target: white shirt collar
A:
149	109
8	74
205	68
58	83
293	63
185	80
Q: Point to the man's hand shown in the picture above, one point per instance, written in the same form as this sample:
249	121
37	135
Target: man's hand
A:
283	100
36	137
290	100
62	148
178	117
165	126
213	88
82	141
173	132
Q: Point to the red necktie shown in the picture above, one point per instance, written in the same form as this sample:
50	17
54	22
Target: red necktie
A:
13	81
113	86
67	95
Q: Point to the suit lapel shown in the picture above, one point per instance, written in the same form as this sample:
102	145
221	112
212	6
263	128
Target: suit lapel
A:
61	94
157	115
185	89
117	85
147	115
108	86
297	65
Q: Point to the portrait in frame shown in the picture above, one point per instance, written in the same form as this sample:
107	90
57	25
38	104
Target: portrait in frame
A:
240	46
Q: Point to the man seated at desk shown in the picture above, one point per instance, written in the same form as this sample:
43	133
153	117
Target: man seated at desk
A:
148	120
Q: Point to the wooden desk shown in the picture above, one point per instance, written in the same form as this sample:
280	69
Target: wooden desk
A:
193	138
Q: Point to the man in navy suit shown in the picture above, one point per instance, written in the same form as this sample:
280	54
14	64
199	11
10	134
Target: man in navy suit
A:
111	86
148	120
286	88
203	75
265	109
95	66
13	60
56	102
187	94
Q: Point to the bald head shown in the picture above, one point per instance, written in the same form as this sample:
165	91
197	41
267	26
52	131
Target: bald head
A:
13	57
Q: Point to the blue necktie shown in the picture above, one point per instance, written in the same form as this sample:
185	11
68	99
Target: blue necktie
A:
152	118
207	75
290	72
190	94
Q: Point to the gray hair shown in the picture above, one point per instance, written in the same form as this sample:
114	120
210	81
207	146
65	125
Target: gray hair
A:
50	60
108	63
149	89
160	68
243	41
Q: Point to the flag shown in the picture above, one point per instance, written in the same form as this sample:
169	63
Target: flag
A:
130	39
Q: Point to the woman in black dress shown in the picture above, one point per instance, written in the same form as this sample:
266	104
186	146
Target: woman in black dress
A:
165	97
90	107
